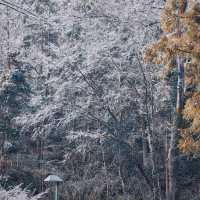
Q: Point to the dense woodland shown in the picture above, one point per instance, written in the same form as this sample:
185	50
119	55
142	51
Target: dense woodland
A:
104	94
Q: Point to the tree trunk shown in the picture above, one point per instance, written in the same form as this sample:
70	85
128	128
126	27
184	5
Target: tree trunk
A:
171	154
180	88
166	167
171	182
145	151
155	173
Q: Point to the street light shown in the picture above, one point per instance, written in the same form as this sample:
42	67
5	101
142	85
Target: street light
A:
54	180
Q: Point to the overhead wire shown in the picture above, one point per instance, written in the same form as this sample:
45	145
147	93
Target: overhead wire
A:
22	10
12	4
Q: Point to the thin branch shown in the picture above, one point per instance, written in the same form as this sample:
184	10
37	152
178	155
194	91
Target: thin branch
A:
86	80
94	88
89	114
112	114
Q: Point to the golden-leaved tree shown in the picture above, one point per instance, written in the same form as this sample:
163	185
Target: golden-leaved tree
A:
179	47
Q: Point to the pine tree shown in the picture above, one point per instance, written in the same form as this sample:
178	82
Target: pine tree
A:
179	50
14	95
179	46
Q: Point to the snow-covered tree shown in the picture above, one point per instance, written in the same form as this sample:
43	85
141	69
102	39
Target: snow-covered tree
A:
99	111
18	194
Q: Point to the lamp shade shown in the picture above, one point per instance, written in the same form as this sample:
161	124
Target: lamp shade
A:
53	179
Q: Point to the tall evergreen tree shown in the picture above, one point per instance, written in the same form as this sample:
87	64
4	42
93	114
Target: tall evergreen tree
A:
179	47
14	94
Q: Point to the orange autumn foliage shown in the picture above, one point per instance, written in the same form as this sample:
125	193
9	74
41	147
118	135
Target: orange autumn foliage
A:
180	22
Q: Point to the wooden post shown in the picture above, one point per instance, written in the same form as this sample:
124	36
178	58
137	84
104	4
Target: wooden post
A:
56	191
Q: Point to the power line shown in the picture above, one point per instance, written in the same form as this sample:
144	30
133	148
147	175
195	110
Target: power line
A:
21	10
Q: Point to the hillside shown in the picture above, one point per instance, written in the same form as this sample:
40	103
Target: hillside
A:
78	100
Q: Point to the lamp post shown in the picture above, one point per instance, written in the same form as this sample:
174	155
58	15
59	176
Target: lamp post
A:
55	180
